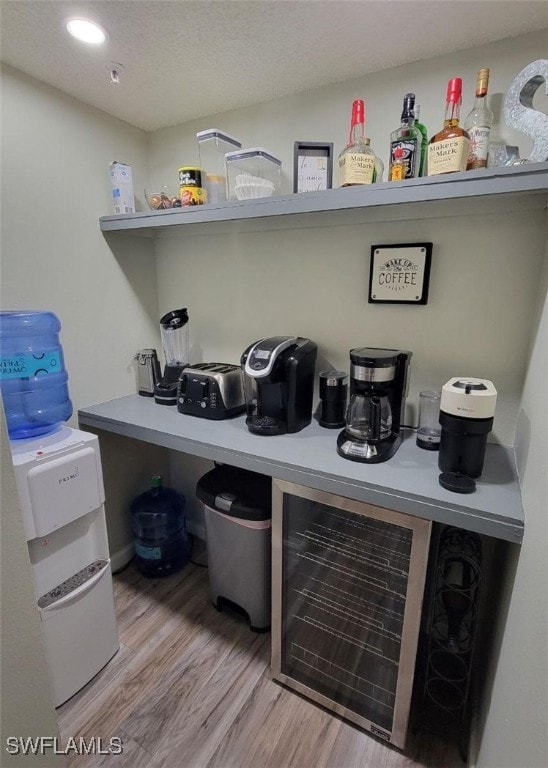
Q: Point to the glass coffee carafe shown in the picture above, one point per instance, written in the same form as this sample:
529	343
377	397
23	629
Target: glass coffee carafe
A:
369	417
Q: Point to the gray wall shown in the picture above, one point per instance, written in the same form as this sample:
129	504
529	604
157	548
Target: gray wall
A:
515	734
55	185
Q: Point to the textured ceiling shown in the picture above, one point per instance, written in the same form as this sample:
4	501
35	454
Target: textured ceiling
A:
185	59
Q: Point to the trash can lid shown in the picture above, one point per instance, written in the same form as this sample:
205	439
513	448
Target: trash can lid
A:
237	492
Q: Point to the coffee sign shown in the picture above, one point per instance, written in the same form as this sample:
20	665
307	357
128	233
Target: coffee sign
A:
400	274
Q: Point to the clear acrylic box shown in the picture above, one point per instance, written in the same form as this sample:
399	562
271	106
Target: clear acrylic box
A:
212	147
253	173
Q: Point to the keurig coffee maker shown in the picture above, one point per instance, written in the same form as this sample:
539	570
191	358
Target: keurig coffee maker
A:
378	380
174	331
467	410
279	384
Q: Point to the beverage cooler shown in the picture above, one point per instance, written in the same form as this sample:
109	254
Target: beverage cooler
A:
348	582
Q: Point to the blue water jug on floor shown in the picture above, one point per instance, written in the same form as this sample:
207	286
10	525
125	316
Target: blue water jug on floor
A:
33	379
159	529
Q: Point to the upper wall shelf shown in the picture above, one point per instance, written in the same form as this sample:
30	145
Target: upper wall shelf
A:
420	197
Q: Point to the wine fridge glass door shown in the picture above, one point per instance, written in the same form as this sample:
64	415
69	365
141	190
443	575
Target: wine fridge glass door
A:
348	586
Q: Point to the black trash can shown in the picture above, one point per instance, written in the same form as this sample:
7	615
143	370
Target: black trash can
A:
238	518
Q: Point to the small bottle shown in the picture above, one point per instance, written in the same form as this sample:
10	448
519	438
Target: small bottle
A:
424	142
358	163
407	138
448	149
478	124
398	167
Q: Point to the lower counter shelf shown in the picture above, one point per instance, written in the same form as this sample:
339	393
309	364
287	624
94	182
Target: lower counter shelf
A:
407	483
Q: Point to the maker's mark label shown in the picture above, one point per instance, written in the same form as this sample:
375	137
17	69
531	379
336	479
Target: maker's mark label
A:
356	168
448	155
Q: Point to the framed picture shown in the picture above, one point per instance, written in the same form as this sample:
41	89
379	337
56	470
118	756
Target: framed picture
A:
312	166
400	274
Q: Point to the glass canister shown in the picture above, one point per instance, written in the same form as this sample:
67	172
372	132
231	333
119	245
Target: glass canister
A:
429	428
253	173
212	147
33	379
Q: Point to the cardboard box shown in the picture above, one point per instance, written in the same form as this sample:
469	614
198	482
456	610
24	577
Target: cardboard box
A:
122	187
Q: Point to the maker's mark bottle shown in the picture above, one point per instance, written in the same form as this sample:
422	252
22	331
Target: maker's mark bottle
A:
448	150
358	163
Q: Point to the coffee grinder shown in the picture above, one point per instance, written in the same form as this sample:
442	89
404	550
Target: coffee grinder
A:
333	394
378	381
174	331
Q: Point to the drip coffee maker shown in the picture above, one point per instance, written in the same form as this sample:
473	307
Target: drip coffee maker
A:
378	379
174	331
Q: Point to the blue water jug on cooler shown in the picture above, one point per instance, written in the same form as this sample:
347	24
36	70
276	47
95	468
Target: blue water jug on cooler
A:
33	379
159	529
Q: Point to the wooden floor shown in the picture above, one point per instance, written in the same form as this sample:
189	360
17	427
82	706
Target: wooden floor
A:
191	687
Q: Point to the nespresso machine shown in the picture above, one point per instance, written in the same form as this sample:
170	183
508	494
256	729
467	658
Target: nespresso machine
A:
467	411
174	331
279	384
378	382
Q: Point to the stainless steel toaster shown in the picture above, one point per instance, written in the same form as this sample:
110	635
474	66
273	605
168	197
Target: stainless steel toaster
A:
211	390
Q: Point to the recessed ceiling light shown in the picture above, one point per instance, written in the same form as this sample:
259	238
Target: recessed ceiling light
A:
86	31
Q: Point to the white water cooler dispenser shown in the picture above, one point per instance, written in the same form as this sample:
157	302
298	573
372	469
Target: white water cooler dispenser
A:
60	486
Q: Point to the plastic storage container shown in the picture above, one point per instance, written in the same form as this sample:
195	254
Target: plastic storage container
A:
253	173
238	511
212	147
33	379
159	529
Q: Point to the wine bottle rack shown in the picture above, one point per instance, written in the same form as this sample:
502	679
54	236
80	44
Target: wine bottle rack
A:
451	634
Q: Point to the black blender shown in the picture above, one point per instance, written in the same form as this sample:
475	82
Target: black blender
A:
378	379
174	331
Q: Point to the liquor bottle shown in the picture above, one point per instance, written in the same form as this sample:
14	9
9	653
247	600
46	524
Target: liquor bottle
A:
448	149
424	142
398	166
478	124
358	163
407	138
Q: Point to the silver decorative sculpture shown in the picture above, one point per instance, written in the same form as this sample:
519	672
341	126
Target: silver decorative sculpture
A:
503	154
519	112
